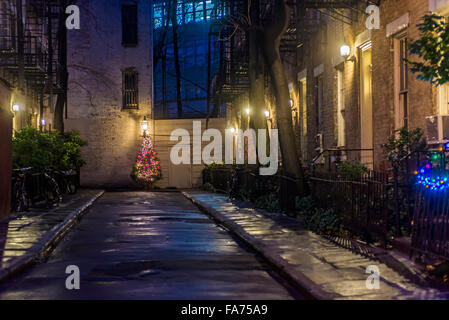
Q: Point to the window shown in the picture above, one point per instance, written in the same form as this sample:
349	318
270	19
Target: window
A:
403	102
401	82
443	95
199	11
341	108
130	89
129	25
209	9
443	99
188	7
158	15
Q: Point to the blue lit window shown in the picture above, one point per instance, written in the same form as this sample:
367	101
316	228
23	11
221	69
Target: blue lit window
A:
179	13
209	9
199	11
188	7
158	15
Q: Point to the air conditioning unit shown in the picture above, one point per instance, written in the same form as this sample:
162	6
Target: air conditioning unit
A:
437	129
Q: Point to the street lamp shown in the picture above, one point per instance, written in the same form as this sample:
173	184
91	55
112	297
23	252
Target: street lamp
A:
267	113
16	108
248	111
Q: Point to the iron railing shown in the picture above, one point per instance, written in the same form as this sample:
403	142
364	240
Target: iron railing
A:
361	202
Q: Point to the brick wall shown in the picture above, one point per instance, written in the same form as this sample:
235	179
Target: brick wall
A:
96	59
323	48
6	147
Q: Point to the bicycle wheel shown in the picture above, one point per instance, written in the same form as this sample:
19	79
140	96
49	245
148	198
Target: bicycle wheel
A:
52	191
71	187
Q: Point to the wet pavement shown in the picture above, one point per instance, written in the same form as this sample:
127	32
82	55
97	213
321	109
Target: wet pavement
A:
335	272
143	245
22	233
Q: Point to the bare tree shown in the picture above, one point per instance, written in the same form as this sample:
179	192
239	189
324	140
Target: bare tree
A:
272	34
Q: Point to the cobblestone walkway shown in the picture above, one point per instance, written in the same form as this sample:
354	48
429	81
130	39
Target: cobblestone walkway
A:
322	266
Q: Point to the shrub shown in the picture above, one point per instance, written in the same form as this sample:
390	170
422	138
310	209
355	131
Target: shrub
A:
319	220
39	150
402	142
351	171
269	203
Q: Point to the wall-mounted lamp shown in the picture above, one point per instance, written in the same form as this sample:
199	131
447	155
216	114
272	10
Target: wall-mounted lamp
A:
267	113
16	108
345	52
248	111
144	126
44	122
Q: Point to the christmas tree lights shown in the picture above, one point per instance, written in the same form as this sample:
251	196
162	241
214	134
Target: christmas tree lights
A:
147	168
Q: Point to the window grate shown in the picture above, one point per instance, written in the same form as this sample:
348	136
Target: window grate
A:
130	90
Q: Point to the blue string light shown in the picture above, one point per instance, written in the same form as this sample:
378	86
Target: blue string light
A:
435	180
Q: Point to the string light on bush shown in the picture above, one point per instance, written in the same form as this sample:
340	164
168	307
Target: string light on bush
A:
433	175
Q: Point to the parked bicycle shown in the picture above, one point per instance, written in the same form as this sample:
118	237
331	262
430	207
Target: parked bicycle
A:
20	200
66	180
36	188
52	191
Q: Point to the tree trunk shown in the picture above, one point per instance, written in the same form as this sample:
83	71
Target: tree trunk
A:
271	42
174	22
256	71
61	100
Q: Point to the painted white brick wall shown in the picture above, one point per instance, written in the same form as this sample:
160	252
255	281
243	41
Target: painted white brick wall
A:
96	59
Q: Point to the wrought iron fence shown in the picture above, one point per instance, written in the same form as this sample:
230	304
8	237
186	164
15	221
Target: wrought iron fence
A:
373	205
430	232
361	202
250	185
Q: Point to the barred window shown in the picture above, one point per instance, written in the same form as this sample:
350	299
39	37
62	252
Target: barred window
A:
129	25
130	89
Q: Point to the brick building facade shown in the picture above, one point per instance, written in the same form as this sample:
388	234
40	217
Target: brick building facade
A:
356	103
110	86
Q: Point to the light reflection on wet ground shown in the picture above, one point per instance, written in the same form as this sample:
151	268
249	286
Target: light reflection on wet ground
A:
24	229
140	245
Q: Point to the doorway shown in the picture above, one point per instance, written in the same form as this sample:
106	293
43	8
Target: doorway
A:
366	104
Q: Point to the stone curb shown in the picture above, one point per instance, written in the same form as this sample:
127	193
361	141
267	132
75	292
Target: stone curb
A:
300	281
48	242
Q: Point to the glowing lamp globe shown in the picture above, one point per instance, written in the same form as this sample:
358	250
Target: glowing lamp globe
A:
144	124
345	51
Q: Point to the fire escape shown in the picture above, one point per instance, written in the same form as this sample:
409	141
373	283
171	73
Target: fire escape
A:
29	57
310	14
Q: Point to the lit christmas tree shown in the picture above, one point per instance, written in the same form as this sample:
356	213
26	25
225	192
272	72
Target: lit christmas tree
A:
147	168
